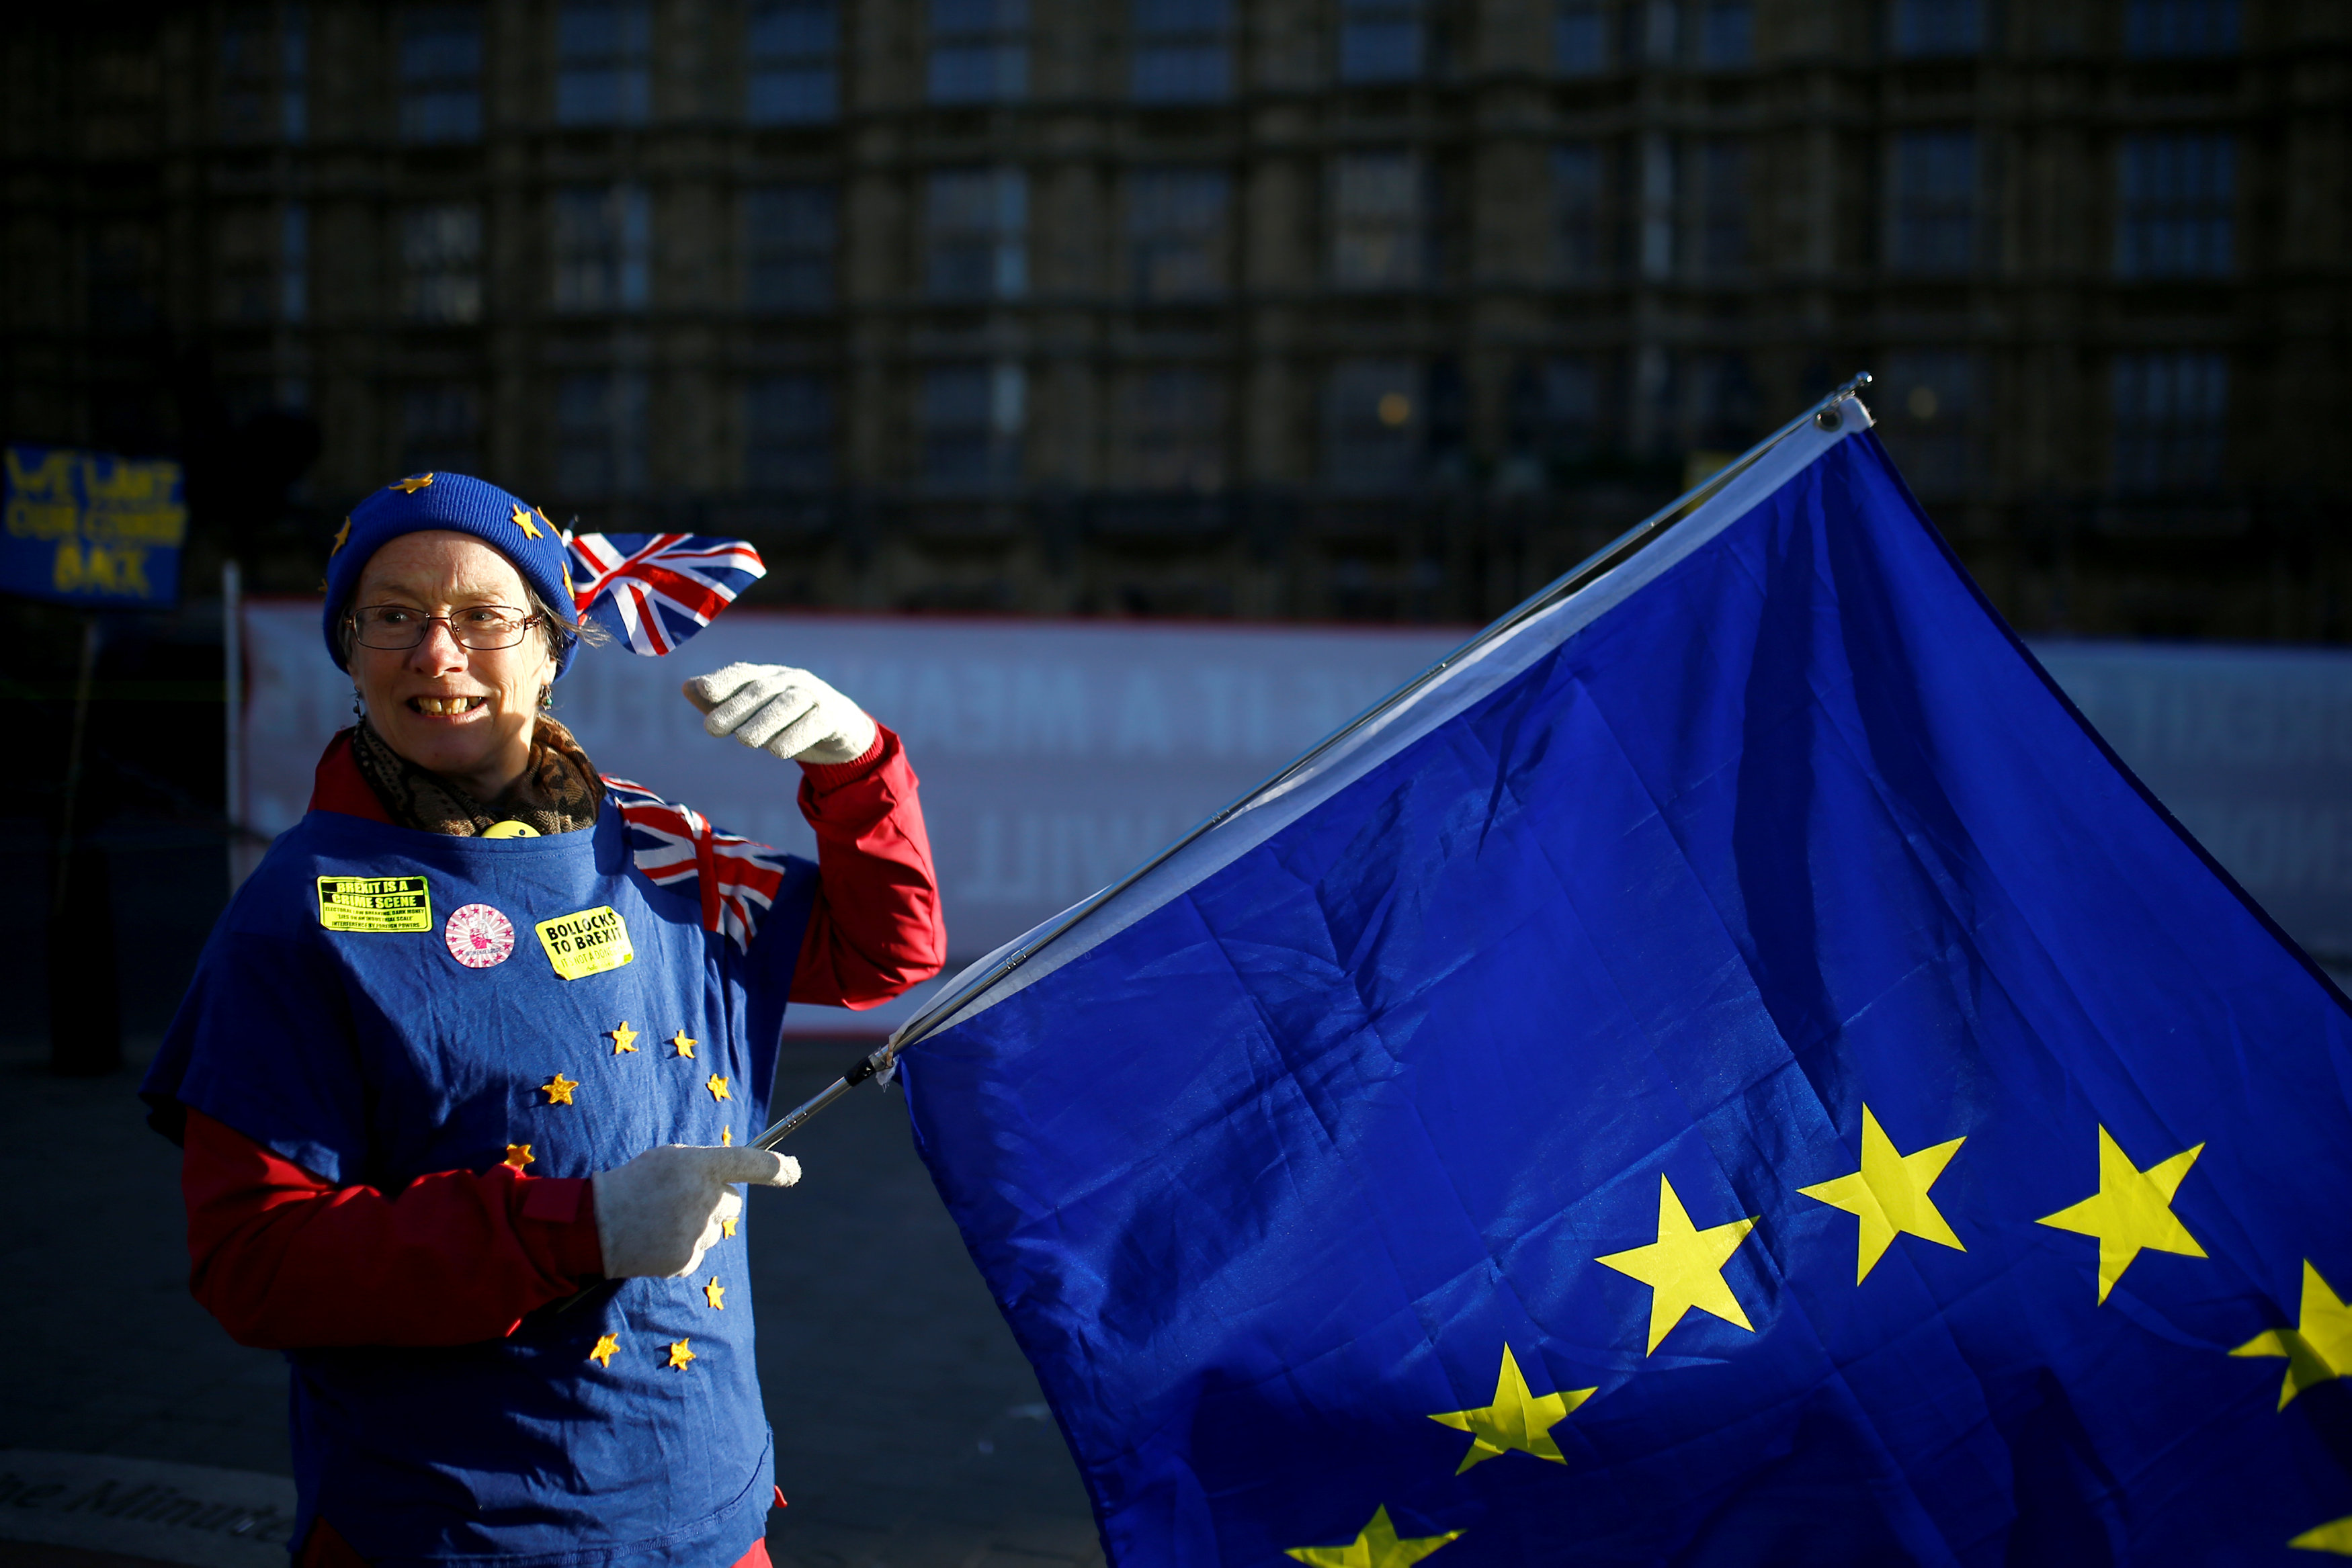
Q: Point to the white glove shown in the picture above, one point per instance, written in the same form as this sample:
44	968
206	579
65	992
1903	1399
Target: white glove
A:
658	1215
786	711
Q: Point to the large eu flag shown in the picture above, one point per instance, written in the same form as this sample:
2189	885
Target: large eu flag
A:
1733	1071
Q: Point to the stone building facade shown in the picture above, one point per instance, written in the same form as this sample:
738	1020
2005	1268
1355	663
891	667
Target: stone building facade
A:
1363	308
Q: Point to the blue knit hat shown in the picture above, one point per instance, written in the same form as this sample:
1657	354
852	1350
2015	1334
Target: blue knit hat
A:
468	505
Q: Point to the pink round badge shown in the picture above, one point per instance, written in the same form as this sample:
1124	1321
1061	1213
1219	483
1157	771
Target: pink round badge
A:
479	936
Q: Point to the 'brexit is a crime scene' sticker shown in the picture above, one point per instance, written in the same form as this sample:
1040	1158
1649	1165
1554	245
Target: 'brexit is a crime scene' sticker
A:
374	904
588	943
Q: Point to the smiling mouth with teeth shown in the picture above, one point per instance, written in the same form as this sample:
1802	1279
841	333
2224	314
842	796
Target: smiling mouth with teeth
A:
445	708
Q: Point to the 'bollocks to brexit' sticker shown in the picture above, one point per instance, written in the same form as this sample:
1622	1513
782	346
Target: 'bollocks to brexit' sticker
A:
374	904
588	943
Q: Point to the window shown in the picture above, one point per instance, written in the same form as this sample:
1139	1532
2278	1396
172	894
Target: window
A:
245	268
604	241
1555	410
788	423
1935	206
1383	40
979	51
1173	421
1928	418
791	235
2154	28
1657	221
294	262
1380	231
1182	52
441	263
440	428
1577	212
1919	29
1579	39
1727	33
796	49
2176	208
1178	226
1374	418
1723	206
263	91
603	62
2169	412
1661	22
970	417
600	434
441	74
976	225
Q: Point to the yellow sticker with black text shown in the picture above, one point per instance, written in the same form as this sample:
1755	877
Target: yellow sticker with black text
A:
374	904
588	943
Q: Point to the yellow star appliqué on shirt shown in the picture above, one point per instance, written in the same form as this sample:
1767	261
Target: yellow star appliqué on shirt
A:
410	484
518	1155
1518	1418
726	1137
685	1043
727	1225
2132	1210
716	1295
559	1089
1683	1267
608	1345
1377	1545
523	520
2318	1348
623	1037
718	1087
1889	1194
679	1354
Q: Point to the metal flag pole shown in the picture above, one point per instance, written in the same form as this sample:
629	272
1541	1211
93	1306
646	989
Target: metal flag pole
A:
1827	414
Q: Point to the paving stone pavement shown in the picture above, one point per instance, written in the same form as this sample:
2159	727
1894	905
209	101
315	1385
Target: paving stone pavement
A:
909	1431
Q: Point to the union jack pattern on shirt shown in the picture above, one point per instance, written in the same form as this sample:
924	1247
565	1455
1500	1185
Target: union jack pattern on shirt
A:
737	879
656	590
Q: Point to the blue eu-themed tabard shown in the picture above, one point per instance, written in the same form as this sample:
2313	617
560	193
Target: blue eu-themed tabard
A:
380	1003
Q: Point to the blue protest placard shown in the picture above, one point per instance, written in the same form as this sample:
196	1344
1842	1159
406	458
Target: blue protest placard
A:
90	527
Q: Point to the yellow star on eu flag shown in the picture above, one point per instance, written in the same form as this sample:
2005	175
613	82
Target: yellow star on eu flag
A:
2132	1210
1518	1418
1889	1194
2317	1348
410	486
1377	1545
523	520
2334	1536
1683	1267
606	1345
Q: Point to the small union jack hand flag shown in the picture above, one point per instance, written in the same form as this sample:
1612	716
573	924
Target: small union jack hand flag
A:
656	590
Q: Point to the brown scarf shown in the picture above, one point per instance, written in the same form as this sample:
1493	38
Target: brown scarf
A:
559	791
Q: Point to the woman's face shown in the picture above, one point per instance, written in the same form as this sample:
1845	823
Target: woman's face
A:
464	713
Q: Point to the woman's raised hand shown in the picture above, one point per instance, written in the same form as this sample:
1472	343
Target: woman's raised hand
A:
781	710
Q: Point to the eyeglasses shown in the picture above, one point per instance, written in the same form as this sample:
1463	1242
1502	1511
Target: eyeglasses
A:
481	627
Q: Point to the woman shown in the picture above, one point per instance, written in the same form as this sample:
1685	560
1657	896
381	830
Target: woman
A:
467	1069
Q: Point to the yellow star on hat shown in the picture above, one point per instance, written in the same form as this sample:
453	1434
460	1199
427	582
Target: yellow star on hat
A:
410	484
522	521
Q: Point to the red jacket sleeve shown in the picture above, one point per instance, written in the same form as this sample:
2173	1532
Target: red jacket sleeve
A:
286	1262
875	928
